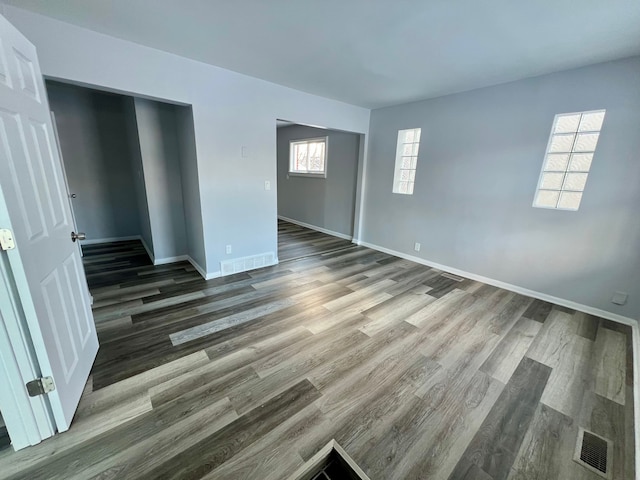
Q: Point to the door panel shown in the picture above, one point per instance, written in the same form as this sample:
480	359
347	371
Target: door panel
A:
52	289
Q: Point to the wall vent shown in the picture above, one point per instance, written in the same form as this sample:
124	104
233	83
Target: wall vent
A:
594	453
237	265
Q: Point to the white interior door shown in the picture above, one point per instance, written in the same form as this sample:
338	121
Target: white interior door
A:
46	264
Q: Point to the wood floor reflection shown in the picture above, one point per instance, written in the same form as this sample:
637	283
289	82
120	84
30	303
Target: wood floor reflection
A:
416	374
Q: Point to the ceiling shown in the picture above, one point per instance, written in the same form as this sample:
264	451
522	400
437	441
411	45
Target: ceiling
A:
371	53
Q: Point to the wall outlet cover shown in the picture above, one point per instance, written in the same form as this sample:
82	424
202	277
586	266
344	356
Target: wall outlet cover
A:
228	249
416	247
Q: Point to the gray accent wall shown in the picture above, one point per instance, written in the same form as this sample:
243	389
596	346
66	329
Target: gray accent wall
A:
190	186
480	157
160	152
95	148
329	202
137	172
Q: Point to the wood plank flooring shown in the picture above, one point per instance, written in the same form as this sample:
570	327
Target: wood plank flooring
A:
418	375
295	241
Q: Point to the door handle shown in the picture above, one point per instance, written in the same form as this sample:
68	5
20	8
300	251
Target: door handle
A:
73	195
78	236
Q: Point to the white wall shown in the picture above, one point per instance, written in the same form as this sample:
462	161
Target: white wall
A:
230	110
480	157
160	153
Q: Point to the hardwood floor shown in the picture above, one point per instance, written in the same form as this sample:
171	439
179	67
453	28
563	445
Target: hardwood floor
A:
295	241
415	373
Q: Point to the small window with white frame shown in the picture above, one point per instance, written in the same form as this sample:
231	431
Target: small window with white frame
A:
308	157
404	176
573	141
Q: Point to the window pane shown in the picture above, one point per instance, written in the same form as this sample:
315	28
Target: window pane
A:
591	122
567	123
316	157
313	149
406	162
575	181
586	142
412	175
410	149
570	200
546	198
557	162
315	164
409	136
300	150
402	187
410	188
552	181
417	132
405	175
581	162
561	143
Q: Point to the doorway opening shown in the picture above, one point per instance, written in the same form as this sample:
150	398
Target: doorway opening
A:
129	164
318	172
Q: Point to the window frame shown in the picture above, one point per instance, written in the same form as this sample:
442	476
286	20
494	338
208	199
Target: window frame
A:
398	160
570	153
310	174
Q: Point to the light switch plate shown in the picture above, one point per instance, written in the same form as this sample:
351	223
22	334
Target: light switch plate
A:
267	185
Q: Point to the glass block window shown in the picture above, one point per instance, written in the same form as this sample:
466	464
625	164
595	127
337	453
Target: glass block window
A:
572	143
406	161
308	157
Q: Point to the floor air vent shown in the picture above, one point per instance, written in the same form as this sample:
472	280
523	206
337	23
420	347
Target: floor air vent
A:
594	453
452	276
330	463
237	265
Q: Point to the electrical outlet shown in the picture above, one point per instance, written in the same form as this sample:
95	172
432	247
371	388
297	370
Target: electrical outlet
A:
619	298
416	247
243	152
228	249
267	185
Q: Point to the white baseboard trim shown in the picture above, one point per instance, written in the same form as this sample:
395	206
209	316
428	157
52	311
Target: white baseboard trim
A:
164	261
93	241
202	271
146	247
508	286
635	327
317	229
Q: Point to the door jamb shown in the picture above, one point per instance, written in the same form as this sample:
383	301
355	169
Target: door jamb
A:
28	419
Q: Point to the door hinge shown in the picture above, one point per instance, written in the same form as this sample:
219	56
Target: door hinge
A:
40	386
6	239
